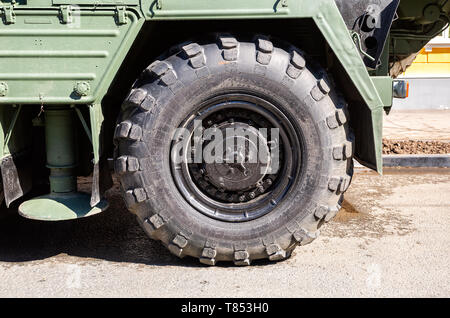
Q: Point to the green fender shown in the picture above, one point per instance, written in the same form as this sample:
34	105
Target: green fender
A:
327	17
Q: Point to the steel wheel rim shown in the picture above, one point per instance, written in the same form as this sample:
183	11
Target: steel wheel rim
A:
223	208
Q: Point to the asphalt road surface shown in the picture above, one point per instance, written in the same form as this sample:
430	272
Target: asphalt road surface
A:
390	239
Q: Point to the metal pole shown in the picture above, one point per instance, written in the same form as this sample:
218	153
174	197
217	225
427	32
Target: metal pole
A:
60	144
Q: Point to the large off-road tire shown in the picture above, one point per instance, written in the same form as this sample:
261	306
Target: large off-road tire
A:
259	79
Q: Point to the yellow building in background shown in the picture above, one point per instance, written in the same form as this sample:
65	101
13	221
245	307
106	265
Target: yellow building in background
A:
433	60
429	77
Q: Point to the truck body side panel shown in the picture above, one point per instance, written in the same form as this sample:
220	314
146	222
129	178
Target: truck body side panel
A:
46	61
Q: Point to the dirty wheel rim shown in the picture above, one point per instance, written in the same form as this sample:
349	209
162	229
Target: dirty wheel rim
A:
247	179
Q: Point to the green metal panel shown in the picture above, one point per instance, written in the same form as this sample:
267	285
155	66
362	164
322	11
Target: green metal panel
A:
384	88
43	60
216	9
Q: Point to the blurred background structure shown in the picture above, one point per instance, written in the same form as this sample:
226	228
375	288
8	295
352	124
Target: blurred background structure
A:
429	77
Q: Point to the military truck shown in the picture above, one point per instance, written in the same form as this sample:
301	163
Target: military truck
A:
282	93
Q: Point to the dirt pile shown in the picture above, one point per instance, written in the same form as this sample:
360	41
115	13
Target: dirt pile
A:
415	147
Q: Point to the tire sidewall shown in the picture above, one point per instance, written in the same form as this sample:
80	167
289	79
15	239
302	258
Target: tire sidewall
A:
294	100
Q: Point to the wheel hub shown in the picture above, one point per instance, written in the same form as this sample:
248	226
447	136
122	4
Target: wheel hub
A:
240	168
239	183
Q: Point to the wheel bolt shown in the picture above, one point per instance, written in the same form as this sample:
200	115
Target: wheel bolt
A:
242	198
268	182
252	195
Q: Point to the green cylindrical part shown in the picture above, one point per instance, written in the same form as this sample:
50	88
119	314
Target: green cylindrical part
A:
60	144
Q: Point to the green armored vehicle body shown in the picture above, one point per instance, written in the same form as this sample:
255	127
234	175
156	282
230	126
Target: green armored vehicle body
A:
232	124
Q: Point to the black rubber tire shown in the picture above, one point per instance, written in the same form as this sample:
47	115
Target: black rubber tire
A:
168	91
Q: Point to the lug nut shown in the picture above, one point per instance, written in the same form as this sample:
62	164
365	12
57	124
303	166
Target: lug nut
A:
242	198
252	195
